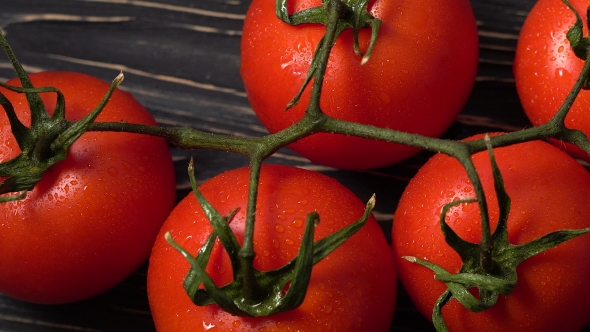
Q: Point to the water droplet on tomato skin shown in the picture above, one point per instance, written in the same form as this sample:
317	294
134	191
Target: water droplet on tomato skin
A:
275	244
298	222
279	228
559	72
207	326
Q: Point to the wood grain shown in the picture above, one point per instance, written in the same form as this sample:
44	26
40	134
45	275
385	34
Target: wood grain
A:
181	60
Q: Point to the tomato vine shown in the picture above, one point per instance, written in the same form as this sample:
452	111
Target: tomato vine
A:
489	266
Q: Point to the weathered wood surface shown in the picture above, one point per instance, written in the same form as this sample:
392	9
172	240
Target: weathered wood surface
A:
181	60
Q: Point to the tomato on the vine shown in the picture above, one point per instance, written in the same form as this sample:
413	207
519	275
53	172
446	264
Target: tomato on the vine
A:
352	288
92	219
549	191
546	68
417	79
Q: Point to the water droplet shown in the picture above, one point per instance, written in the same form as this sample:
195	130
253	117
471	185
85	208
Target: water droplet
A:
289	241
289	211
207	326
303	202
298	222
559	72
467	207
279	228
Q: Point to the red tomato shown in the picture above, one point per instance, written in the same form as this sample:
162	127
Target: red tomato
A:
92	219
352	288
546	68
549	191
417	80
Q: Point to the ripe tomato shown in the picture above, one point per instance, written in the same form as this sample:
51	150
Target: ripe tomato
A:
353	287
417	80
549	191
92	219
545	67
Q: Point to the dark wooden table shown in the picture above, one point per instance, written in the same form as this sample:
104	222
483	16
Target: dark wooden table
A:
181	60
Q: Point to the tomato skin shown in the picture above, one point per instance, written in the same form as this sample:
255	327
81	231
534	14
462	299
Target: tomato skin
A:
354	286
92	219
411	83
549	191
546	68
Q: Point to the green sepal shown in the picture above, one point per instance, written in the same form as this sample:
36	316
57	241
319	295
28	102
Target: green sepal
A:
44	144
48	139
575	34
348	14
491	271
284	288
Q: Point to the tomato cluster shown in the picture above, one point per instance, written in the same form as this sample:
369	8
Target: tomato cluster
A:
94	217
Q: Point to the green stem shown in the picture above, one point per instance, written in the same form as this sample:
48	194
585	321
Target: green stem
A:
557	122
251	286
336	10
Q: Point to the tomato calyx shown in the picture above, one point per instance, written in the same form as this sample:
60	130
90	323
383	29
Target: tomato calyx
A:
49	137
336	15
489	267
264	292
575	35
